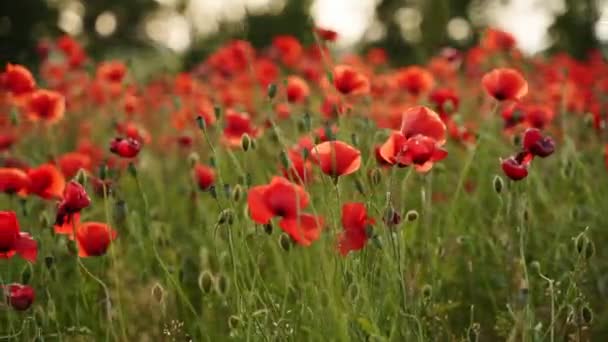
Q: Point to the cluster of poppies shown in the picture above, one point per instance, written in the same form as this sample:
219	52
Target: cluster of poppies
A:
239	96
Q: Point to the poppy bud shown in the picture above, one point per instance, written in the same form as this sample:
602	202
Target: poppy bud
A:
330	76
359	186
307	122
205	281
271	91
586	315
132	170
234	322
226	217
285	162
411	215
158	293
49	261
120	211
427	291
202	124
245	142
26	275
536	266
285	242
584	246
72	248
20	297
354	138
498	184
103	171
81	176
217	110
353	291
221	284
391	217
268	228
237	193
193	159
375	177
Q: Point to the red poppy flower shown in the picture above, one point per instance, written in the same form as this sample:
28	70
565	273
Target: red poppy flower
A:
516	167
17	80
418	142
538	116
238	124
7	140
356	224
497	40
125	147
415	80
75	198
46	181
13	241
204	176
13	180
71	162
349	81
45	105
376	56
111	72
284	199
336	158
94	238
19	297
446	100
68	226
327	35
537	144
297	89
289	49
505	84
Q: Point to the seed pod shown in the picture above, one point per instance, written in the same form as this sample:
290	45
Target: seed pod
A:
245	142
498	183
411	215
271	91
205	281
285	242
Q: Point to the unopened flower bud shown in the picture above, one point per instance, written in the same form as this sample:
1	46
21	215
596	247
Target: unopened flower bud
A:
245	142
205	281
271	91
498	183
411	215
375	177
285	242
222	284
226	217
201	123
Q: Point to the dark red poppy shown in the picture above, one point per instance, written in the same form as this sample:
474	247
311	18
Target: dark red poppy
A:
75	198
497	40
282	198
17	80
297	89
516	167
94	238
204	176
112	71
537	144
45	105
238	124
70	163
7	140
327	35
13	180
445	99
13	241
19	297
125	147
336	158
356	224
289	49
46	181
418	142
349	81
505	84
415	80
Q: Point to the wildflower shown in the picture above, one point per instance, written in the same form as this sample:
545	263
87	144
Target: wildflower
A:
505	84
94	238
19	297
46	181
356	224
125	147
537	144
13	180
204	176
349	81
13	241
336	158
238	124
75	198
415	80
45	105
516	167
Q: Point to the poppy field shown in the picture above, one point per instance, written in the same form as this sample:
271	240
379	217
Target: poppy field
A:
290	193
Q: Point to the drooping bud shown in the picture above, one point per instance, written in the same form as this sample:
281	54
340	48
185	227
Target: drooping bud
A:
498	184
245	142
206	281
226	217
201	123
285	242
271	91
411	215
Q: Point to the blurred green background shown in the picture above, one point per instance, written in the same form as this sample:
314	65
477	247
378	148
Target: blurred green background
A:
182	32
